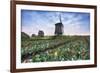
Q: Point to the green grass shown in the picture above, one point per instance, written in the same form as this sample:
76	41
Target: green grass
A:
56	48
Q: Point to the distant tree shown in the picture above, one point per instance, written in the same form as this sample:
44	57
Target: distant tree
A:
33	35
41	33
24	36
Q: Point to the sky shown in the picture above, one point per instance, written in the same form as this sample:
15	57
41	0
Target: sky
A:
75	23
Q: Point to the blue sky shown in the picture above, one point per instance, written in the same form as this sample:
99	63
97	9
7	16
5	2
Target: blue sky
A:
75	23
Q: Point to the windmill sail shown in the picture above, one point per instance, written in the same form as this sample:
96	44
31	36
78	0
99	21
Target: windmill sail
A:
60	18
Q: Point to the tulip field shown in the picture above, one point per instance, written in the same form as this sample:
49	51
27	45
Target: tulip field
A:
59	48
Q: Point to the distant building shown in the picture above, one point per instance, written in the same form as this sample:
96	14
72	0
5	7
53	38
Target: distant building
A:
59	27
41	33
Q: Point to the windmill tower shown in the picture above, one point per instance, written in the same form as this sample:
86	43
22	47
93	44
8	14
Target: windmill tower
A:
59	27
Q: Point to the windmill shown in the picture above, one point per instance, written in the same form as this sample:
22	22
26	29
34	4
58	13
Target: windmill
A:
59	27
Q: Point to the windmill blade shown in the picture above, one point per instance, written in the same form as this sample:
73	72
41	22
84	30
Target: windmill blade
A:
60	17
